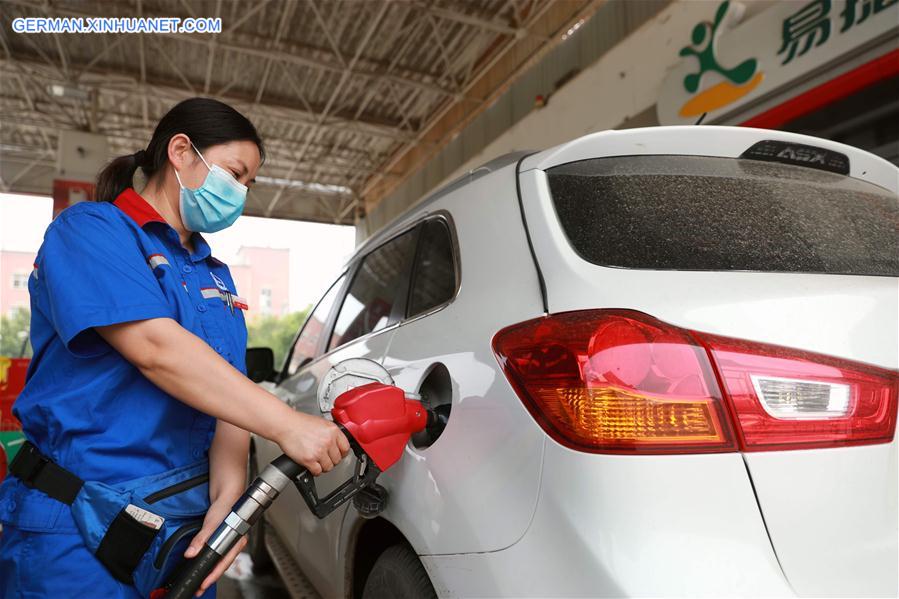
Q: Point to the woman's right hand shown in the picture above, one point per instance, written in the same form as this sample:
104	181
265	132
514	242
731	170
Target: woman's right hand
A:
314	443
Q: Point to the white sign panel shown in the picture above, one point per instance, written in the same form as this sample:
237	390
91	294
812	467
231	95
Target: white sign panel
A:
725	65
81	155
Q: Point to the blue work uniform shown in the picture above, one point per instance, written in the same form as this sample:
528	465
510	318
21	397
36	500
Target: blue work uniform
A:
85	406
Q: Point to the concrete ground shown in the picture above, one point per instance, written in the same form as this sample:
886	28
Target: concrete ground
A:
239	582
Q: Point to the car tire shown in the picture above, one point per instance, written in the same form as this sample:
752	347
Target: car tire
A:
398	574
262	561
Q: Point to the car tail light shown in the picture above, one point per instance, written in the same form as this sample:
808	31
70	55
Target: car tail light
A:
619	381
616	381
790	399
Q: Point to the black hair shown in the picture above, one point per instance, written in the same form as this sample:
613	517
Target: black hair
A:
205	121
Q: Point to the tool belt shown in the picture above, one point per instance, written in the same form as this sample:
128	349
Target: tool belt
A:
138	529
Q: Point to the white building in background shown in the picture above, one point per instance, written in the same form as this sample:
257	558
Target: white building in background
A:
15	268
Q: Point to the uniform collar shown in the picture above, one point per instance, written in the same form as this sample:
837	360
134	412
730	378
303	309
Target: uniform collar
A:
201	248
131	203
135	206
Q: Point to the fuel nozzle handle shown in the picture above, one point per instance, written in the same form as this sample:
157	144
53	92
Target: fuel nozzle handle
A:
380	419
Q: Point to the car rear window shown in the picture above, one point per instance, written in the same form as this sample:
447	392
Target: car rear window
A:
708	213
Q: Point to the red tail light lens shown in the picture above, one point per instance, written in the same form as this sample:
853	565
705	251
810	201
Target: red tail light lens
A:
616	382
619	381
790	399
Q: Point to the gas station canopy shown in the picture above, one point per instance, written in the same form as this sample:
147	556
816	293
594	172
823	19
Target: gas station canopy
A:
350	97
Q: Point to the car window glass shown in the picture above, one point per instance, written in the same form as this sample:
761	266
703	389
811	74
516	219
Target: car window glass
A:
707	213
434	280
374	291
307	343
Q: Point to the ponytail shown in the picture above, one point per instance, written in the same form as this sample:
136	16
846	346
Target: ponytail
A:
205	121
117	176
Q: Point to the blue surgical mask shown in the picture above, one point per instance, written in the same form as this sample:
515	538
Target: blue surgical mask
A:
214	205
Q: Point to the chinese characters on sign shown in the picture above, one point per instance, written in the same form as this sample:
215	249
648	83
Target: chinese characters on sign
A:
857	11
810	25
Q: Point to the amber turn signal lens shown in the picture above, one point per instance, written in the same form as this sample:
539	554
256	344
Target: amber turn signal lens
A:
609	416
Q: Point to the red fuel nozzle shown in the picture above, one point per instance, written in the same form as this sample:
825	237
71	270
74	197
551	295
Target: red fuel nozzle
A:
380	419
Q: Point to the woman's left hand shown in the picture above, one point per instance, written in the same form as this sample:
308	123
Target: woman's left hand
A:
218	510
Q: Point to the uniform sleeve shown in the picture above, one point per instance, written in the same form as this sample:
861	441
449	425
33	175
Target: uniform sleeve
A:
94	274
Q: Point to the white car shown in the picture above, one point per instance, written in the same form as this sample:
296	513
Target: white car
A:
670	356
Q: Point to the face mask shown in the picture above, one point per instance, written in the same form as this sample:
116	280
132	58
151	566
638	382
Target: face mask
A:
214	205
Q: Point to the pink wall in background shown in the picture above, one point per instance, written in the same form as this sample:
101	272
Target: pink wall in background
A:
262	277
15	268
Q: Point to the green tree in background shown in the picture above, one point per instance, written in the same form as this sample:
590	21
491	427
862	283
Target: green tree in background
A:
276	332
13	331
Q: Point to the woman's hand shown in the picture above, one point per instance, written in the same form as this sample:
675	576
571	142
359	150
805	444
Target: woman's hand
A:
217	512
313	442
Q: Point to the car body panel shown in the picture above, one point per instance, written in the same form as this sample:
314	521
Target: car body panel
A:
454	495
629	526
832	517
